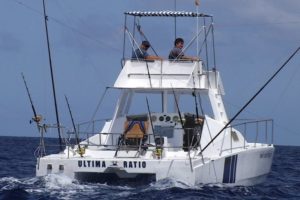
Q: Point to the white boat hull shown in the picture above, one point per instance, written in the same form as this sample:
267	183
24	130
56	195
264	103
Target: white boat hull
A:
235	169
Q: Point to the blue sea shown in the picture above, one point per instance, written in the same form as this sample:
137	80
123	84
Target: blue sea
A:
18	181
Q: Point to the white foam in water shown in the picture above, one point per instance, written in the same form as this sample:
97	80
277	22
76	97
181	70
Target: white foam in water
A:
124	194
63	187
168	183
58	181
57	185
173	183
9	182
30	181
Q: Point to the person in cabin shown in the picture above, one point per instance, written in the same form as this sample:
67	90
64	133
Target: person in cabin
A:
142	54
177	54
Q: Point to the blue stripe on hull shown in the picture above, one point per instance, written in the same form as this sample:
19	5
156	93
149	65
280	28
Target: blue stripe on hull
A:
230	169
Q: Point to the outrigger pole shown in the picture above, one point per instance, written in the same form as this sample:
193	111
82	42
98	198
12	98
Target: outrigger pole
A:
253	97
52	77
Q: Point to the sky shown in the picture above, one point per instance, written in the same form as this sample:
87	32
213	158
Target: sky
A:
253	38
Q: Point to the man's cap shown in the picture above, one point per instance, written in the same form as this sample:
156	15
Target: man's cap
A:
146	43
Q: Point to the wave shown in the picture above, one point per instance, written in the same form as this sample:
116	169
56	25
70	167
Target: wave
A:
57	186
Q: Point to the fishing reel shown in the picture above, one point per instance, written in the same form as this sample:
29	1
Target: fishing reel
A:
36	119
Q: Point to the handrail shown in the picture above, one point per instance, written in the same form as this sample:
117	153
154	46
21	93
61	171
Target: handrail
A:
192	141
262	128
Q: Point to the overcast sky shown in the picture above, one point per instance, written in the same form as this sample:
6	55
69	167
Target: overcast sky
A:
253	38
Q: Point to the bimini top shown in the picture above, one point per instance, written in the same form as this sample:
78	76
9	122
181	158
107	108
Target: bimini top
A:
166	14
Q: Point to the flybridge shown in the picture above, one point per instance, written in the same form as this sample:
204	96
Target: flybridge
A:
167	74
166	14
200	46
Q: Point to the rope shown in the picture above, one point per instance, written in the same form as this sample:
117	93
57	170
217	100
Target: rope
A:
97	108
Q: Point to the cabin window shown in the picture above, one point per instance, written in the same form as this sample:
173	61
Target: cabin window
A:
234	136
49	167
61	167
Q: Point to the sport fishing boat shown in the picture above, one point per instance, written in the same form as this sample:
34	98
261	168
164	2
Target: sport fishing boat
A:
169	123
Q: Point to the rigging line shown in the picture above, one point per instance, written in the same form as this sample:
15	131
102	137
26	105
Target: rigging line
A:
65	25
189	44
256	24
142	33
133	29
84	34
175	20
197	29
213	43
52	76
284	91
253	97
133	42
280	126
97	108
205	41
124	38
73	21
206	34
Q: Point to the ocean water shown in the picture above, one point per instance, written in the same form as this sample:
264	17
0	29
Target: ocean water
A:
18	181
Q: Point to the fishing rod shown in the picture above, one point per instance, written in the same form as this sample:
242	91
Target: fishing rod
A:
138	26
52	76
176	103
253	97
148	71
197	118
40	151
182	124
151	123
132	44
36	118
74	127
195	98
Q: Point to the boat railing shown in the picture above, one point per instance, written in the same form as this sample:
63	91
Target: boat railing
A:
113	141
89	128
190	140
255	132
